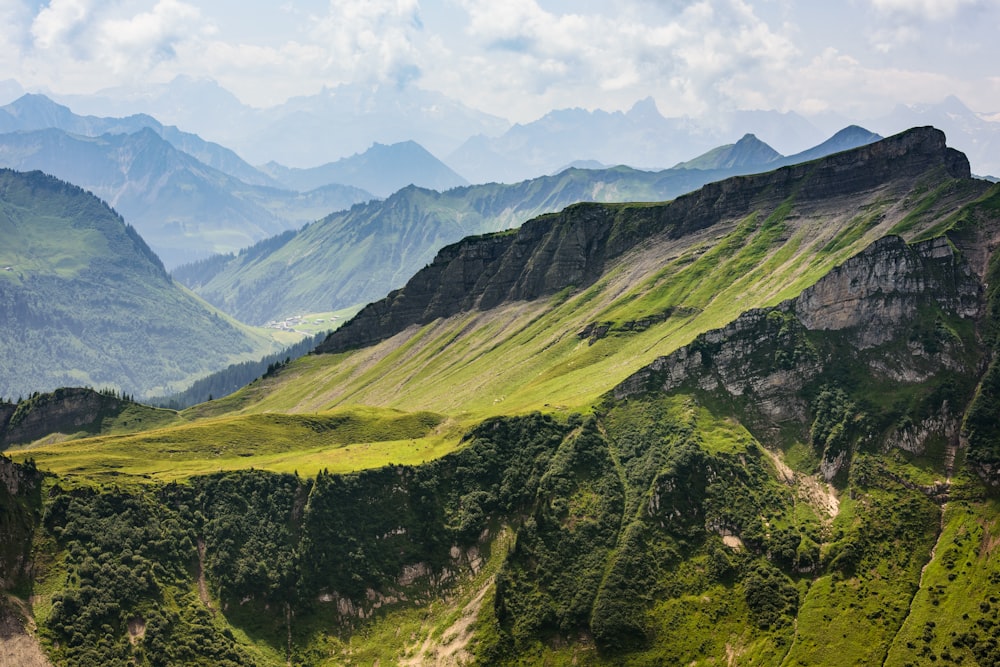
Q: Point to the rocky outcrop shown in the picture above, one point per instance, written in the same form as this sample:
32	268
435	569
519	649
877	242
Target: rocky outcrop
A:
20	489
574	247
881	288
872	298
869	303
67	410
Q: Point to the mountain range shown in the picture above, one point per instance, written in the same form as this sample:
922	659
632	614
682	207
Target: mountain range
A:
191	198
352	257
304	131
338	122
756	424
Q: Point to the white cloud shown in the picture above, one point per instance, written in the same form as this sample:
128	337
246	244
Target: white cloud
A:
372	40
60	22
682	56
138	43
930	10
521	58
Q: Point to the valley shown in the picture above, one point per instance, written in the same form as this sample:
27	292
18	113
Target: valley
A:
754	424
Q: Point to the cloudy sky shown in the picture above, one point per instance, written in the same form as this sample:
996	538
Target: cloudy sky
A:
520	58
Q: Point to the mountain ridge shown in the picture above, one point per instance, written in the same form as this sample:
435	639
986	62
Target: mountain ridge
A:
471	272
326	266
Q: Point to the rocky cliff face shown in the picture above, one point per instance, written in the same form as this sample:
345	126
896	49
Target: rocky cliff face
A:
20	487
63	411
574	247
881	311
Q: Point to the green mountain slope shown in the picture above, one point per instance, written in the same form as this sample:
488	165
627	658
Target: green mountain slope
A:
380	170
356	256
749	151
84	300
736	428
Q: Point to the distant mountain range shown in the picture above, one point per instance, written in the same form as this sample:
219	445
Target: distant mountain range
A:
353	257
38	112
182	207
191	198
84	301
640	137
750	153
304	131
338	122
380	170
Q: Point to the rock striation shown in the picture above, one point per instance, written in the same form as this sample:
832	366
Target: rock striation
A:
574	247
66	410
872	302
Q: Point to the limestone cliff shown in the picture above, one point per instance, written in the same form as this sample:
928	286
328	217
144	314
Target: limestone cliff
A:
574	247
880	311
68	410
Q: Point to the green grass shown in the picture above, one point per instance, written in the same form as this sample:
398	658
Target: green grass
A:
341	440
957	586
523	356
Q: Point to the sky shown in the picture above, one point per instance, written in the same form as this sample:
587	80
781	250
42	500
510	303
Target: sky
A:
518	59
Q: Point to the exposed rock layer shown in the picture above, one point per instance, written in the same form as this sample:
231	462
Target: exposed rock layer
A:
574	247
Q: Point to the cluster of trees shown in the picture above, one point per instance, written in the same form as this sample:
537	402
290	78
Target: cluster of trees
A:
233	377
128	559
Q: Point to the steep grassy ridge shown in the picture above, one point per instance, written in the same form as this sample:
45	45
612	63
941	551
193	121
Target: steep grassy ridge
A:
84	301
675	276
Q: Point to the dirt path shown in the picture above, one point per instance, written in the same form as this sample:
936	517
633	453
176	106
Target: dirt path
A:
450	649
202	588
808	488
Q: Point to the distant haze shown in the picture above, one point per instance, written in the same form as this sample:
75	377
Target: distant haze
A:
483	64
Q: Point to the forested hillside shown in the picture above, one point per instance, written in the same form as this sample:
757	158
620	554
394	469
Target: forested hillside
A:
84	301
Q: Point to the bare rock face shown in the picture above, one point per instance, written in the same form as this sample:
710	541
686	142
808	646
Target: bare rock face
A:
64	410
882	287
20	487
573	247
871	300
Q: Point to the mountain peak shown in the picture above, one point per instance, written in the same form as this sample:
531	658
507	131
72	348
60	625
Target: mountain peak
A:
30	106
748	152
645	109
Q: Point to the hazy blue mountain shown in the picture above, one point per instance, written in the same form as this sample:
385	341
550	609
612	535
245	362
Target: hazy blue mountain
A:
341	121
352	257
84	301
846	139
304	131
198	105
640	137
38	112
380	170
183	208
969	132
747	152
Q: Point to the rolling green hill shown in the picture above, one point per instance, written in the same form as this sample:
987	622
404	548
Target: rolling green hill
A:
84	301
751	426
